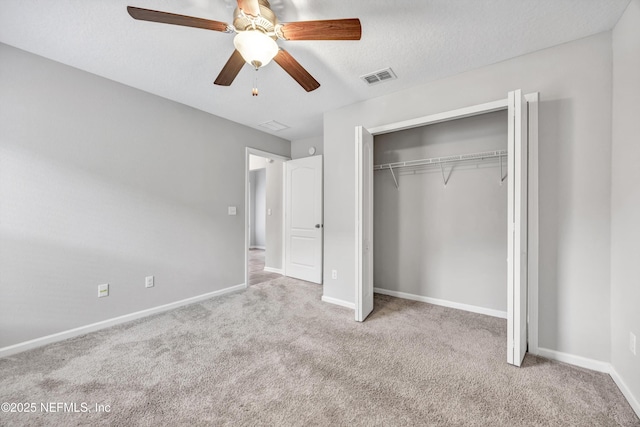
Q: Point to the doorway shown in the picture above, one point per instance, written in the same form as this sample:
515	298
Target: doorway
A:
264	216
521	220
292	212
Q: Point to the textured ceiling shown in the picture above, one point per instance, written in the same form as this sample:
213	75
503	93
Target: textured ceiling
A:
422	40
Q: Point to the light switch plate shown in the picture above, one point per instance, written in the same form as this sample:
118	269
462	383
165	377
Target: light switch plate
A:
232	210
103	290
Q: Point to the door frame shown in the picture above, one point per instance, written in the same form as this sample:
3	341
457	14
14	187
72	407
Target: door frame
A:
533	174
247	238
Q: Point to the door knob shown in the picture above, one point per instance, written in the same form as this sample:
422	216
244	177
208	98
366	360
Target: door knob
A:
318	225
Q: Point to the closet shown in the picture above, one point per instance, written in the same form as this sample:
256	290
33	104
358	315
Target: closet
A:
440	228
440	213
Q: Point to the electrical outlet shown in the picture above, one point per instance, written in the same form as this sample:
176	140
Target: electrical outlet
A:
103	290
632	343
149	282
232	210
334	274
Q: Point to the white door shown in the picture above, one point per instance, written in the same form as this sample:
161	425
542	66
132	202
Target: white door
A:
517	241
303	219
364	223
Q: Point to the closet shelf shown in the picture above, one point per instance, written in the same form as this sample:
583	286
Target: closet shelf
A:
439	160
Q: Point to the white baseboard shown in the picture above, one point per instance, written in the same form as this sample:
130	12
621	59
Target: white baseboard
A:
444	303
635	404
339	302
258	247
60	336
274	270
572	359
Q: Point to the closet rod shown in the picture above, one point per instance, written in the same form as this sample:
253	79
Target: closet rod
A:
444	159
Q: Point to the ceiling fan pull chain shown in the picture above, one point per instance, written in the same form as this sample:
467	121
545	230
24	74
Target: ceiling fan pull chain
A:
254	91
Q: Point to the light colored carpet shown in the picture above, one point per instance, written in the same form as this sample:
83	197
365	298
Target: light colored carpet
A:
256	268
276	355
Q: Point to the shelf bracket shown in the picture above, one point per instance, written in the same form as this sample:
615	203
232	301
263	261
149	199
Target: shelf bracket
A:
394	176
445	180
502	177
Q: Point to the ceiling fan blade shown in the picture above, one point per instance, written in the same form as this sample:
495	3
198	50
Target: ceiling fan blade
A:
250	7
230	69
332	29
172	18
295	70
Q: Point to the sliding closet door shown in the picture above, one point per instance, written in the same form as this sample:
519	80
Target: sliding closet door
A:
364	223
517	238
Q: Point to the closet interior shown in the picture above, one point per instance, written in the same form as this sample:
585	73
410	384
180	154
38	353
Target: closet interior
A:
440	213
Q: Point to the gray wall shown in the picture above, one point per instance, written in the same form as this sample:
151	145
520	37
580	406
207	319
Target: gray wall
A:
274	222
300	147
258	214
443	242
574	80
625	198
102	183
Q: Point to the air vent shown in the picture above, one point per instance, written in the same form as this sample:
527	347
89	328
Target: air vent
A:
379	76
273	125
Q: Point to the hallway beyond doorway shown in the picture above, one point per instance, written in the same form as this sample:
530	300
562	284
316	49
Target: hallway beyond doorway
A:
256	268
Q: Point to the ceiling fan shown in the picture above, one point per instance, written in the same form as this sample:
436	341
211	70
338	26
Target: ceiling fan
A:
257	29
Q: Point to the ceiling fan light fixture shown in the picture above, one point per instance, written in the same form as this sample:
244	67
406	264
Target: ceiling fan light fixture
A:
257	30
256	48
